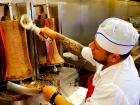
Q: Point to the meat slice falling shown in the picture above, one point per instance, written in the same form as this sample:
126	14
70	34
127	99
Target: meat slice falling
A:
18	65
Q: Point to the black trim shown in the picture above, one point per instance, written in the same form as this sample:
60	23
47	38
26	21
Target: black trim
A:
53	97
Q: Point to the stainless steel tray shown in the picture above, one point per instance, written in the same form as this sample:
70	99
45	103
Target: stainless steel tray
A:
22	89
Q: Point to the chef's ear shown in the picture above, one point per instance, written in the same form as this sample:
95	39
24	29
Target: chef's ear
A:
115	58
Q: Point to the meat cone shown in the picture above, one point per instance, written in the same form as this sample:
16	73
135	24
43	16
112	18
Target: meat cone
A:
53	56
18	65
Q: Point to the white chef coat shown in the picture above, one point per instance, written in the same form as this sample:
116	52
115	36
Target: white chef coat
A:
118	84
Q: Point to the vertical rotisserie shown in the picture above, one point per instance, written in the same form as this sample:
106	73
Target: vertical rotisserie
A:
18	64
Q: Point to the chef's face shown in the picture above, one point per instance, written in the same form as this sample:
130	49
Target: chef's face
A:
99	54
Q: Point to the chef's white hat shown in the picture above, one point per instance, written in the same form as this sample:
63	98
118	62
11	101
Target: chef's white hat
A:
116	36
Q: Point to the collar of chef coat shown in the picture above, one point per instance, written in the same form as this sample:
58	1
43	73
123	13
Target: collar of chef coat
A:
114	71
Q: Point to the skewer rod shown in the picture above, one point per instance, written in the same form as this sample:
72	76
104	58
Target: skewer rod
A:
47	7
10	9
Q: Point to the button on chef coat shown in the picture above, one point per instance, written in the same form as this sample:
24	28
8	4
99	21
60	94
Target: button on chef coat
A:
118	84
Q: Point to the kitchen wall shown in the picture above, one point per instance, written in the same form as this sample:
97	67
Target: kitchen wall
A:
80	18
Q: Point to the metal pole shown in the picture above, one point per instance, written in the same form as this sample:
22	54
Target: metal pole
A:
60	16
10	9
30	12
60	23
47	7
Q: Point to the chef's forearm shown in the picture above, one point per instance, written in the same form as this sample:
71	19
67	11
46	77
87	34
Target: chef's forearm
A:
71	45
60	100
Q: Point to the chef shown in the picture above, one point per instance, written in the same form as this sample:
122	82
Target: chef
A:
116	81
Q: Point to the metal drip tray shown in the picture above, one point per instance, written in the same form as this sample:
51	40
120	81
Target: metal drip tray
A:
66	75
10	98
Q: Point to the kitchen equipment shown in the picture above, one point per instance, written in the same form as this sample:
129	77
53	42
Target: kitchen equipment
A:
21	89
11	98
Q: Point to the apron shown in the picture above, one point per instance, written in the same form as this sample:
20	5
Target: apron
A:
90	84
90	87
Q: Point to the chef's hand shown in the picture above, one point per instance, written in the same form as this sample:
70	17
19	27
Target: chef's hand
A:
48	91
47	32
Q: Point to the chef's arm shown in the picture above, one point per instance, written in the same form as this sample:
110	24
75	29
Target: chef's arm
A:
71	45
